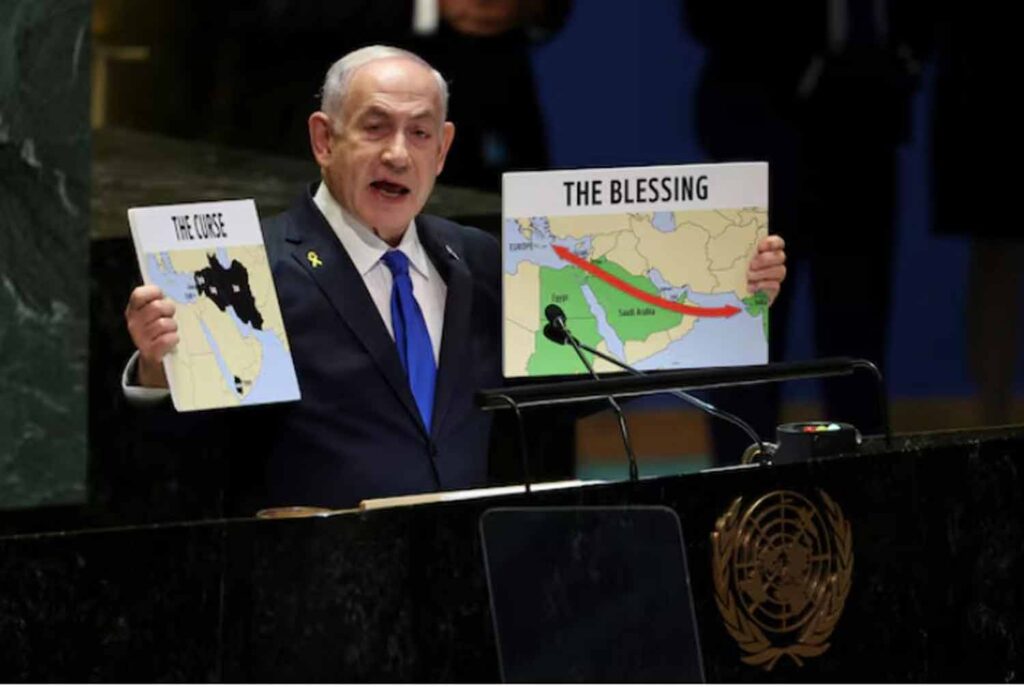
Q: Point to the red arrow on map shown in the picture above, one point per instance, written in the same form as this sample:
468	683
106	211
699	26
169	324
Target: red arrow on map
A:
612	280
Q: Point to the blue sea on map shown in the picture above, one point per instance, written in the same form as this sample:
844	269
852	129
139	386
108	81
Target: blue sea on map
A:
703	345
277	375
664	222
178	286
611	338
668	291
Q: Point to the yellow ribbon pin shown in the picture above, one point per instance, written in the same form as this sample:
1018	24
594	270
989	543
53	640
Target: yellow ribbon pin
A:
314	259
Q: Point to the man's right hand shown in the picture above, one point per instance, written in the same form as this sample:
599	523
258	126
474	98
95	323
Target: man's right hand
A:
150	319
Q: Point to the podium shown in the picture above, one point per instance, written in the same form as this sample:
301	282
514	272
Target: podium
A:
913	557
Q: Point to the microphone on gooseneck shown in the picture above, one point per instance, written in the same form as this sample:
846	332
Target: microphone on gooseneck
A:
557	331
555	315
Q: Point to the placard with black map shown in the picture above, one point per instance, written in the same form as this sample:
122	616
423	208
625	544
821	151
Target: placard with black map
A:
210	260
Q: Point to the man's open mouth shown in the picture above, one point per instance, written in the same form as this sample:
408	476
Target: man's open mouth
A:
389	189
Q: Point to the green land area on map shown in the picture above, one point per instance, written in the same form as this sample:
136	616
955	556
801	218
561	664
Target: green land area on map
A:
632	319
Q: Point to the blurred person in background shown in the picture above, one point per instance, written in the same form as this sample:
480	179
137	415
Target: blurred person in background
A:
975	126
822	91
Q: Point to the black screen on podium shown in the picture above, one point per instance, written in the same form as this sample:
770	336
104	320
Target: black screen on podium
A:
590	595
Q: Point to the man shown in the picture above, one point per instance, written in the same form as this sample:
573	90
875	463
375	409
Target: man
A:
373	419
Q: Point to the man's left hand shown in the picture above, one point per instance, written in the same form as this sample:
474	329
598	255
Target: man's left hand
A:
767	268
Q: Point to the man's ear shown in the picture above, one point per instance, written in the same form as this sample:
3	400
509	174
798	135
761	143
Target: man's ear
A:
321	137
447	134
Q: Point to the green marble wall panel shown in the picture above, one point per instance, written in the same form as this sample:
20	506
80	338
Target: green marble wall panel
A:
44	225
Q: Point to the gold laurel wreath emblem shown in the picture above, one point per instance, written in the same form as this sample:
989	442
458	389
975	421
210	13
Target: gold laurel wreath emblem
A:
828	600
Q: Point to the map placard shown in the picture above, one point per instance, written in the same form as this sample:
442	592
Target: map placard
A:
649	265
209	259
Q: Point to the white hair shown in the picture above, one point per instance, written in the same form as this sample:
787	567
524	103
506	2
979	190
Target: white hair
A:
339	76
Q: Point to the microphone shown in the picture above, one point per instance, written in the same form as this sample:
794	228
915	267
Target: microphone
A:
556	332
555	315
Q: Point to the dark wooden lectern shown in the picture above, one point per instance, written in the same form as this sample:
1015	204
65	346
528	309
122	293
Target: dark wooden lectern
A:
901	564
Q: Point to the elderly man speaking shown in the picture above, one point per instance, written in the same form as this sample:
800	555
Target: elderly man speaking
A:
393	317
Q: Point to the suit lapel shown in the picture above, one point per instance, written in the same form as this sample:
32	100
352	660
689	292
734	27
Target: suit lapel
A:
445	252
313	241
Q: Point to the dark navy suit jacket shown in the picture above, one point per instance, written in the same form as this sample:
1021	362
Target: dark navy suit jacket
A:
356	433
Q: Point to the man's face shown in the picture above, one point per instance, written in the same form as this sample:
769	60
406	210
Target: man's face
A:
381	159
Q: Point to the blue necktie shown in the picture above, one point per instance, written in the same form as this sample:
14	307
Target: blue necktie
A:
411	336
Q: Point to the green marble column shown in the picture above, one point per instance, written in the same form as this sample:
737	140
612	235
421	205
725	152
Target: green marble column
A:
44	225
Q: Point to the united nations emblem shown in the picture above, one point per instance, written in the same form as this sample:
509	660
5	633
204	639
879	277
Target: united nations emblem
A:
782	572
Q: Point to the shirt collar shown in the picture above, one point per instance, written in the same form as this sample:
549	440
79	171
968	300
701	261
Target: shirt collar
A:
363	246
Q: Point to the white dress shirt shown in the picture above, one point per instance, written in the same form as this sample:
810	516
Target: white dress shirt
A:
365	249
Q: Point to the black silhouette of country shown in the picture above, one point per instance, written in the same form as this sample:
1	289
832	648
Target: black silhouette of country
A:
229	286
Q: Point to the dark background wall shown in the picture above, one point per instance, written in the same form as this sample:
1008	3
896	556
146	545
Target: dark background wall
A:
618	87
